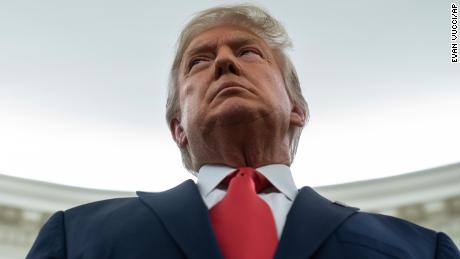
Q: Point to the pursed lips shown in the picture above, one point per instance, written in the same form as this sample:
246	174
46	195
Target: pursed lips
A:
227	85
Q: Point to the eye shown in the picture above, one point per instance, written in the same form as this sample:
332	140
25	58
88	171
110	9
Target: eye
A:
250	51
196	61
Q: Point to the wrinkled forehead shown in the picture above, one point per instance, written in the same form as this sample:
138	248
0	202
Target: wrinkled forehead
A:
223	34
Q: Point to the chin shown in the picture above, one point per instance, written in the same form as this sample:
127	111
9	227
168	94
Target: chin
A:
236	110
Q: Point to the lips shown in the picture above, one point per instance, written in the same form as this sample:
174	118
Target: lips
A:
227	85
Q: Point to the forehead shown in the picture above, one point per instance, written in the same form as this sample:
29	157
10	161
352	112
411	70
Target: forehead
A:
223	34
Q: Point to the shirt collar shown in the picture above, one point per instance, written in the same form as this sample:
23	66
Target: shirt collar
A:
209	176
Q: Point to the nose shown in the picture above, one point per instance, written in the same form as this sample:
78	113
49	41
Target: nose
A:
226	63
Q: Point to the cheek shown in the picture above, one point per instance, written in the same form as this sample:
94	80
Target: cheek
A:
280	95
276	82
190	102
186	92
195	85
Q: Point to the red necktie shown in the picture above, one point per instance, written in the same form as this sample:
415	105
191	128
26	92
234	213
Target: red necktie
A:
242	221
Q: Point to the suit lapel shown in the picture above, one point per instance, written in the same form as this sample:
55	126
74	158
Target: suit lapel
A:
309	223
185	216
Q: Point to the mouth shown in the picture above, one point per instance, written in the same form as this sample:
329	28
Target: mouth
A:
228	85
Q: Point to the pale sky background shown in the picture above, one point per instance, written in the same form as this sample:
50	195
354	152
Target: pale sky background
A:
83	87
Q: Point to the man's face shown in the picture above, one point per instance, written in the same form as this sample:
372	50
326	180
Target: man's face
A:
229	76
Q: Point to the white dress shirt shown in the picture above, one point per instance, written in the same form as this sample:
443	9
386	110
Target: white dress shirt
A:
279	198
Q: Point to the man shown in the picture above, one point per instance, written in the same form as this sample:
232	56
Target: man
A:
236	111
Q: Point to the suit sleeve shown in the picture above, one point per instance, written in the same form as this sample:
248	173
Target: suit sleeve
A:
446	248
50	242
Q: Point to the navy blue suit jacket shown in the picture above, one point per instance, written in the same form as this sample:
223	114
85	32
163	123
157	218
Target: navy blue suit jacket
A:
175	224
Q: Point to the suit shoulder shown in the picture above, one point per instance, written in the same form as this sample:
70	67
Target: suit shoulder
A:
108	217
389	231
103	207
103	203
365	222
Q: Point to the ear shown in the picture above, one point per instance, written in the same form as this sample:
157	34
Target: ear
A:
298	116
178	133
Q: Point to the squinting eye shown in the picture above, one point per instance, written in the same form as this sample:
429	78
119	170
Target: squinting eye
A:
195	61
248	52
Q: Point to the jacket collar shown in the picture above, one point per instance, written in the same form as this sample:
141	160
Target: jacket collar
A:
311	220
185	216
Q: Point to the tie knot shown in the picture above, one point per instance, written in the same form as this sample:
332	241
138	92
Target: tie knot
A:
248	174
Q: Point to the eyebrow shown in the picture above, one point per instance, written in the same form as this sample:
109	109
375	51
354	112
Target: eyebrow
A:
205	46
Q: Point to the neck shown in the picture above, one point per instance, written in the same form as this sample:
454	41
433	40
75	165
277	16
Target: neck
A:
240	145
